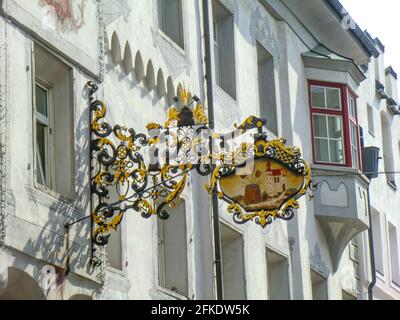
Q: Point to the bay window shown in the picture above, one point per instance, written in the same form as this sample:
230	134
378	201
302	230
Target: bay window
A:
335	129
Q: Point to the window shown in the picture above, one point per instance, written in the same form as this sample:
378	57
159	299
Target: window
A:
362	142
387	149
353	255
266	88
328	139
114	246
348	296
224	49
354	259
278	276
172	251
53	133
377	235
394	255
319	286
335	127
114	249
42	136
354	131
371	124
170	20
232	264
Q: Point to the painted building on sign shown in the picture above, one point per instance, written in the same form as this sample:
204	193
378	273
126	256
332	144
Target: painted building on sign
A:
320	83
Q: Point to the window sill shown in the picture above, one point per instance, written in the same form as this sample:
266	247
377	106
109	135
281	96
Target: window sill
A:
371	133
171	42
54	200
334	168
392	185
339	169
116	271
169	294
53	194
223	96
380	275
395	286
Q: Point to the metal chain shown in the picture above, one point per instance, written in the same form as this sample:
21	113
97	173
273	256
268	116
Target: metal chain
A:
101	40
4	61
100	252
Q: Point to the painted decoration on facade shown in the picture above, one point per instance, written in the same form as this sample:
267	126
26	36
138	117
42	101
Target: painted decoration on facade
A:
267	188
69	14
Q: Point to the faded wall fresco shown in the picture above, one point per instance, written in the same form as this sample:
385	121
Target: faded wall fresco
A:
72	27
68	14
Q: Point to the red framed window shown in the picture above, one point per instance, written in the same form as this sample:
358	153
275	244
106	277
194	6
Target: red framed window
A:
335	130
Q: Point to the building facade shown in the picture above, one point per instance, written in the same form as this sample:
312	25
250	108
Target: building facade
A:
305	66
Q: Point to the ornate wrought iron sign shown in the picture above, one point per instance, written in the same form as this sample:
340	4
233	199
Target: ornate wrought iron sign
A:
261	180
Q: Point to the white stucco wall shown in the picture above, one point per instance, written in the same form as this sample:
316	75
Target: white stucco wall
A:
35	220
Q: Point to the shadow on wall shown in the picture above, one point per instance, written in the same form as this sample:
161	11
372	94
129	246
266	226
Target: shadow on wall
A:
21	286
70	251
138	72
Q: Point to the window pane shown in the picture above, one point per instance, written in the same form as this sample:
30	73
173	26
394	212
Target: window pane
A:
335	127
172	250
320	129
41	167
333	98
370	119
352	107
354	157
318	97
266	85
336	151
171	20
225	49
234	283
41	100
353	134
354	144
321	150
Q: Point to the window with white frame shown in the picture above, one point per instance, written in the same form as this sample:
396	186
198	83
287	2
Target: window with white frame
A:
328	139
388	149
42	122
394	254
53	127
378	244
335	128
232	264
170	20
277	276
224	48
172	251
354	131
371	120
266	87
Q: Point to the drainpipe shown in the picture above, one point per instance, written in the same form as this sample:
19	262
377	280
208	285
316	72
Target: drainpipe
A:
371	251
370	156
210	103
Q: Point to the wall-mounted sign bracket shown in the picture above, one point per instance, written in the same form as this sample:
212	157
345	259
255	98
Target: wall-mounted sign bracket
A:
261	180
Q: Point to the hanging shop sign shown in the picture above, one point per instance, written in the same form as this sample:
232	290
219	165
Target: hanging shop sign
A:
277	180
261	180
